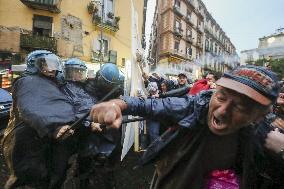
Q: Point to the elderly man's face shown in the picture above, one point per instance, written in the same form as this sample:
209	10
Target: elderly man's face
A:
229	111
182	80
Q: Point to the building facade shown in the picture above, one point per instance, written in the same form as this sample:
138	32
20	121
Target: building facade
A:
94	31
269	47
183	32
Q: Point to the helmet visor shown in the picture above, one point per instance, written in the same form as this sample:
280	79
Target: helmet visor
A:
48	63
75	74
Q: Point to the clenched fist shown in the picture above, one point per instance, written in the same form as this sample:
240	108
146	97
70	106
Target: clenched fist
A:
108	113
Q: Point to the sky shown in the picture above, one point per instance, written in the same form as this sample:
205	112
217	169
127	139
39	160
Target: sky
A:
244	21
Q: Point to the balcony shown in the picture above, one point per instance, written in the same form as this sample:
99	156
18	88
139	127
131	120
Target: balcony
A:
178	11
189	20
189	38
207	29
178	54
190	3
199	45
199	29
48	5
178	32
30	41
110	24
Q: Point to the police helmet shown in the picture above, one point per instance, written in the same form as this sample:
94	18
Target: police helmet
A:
109	73
105	80
107	77
31	58
75	70
48	65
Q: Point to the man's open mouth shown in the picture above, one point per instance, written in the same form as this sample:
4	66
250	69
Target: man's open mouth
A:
218	123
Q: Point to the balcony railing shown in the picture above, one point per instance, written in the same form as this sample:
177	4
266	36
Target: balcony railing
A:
108	24
49	5
178	32
38	42
178	11
180	54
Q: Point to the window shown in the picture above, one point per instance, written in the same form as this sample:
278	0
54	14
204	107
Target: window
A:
198	23
108	8
197	55
188	51
176	46
206	44
177	24
42	25
104	46
188	13
199	39
211	46
101	43
177	3
189	32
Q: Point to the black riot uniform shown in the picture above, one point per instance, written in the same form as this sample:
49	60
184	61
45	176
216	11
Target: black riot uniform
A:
96	149
39	108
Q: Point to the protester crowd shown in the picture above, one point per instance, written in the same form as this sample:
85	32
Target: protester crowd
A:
216	132
161	87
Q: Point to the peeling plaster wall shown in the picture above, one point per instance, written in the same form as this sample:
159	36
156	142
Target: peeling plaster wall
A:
71	32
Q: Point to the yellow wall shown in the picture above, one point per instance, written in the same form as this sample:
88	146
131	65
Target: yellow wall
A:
15	13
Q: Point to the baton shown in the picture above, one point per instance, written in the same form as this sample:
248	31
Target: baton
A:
103	126
76	124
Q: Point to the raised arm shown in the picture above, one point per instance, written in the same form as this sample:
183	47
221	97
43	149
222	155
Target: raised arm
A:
172	109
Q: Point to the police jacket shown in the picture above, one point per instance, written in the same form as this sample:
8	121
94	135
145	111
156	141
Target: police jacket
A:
78	97
91	143
38	102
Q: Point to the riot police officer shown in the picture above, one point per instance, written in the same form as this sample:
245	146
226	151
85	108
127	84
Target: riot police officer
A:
94	148
40	112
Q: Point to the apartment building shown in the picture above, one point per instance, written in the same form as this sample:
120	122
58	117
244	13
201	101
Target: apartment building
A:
183	32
